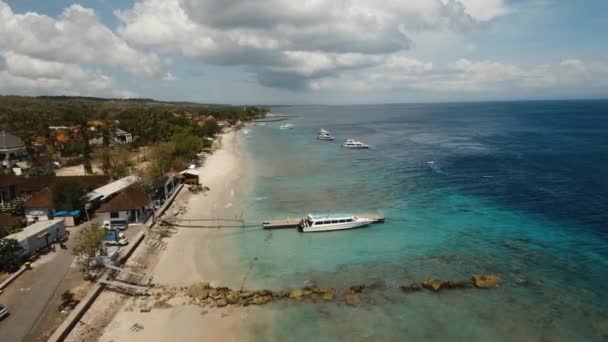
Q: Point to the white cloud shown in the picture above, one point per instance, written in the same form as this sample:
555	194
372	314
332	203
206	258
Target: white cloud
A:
75	37
466	78
169	77
291	43
31	76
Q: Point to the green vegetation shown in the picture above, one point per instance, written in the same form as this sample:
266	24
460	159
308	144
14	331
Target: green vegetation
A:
10	249
148	120
68	195
89	244
176	130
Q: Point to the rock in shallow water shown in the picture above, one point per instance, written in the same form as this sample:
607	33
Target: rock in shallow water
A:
433	284
411	288
351	299
486	281
296	294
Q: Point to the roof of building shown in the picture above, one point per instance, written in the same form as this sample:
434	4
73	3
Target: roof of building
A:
9	220
119	131
192	172
37	183
8	141
130	199
33	230
41	199
115	187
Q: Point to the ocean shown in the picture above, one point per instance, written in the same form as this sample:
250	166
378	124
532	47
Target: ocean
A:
517	189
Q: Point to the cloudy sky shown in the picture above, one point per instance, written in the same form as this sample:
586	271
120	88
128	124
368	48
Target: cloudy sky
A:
306	51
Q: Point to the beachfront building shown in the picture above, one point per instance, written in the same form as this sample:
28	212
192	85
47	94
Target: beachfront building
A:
132	205
108	191
165	188
191	176
12	151
39	235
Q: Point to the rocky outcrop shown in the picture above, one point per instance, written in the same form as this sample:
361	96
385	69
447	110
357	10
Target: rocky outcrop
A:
411	288
486	281
204	295
296	294
432	284
351	299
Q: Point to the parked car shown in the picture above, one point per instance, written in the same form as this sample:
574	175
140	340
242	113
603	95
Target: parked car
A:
114	238
3	311
116	224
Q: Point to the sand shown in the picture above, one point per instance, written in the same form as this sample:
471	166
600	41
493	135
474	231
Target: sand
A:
186	260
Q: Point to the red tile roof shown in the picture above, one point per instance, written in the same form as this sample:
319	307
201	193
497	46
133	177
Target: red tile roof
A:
37	183
41	199
130	199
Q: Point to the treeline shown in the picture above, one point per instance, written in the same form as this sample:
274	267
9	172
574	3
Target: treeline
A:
148	120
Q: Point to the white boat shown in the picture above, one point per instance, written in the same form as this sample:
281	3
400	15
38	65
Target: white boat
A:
287	126
354	144
325	136
325	223
323	131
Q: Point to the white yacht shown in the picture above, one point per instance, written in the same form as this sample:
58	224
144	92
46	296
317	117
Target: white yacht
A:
325	223
287	126
325	136
354	144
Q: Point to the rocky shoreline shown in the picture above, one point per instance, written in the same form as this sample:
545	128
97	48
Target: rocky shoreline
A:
204	295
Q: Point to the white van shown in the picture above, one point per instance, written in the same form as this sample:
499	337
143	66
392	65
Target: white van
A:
116	224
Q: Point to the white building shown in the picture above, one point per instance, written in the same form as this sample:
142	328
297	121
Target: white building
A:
131	205
39	235
12	150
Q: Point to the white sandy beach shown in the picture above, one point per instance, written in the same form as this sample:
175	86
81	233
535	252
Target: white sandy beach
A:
185	261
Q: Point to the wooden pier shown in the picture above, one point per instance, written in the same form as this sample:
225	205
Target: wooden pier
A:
291	223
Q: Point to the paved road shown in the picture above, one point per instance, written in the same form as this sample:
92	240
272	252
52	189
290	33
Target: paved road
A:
33	298
27	297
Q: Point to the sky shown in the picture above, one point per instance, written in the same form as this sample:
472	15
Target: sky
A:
306	51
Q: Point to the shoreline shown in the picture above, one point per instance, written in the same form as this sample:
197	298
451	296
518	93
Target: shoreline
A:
187	259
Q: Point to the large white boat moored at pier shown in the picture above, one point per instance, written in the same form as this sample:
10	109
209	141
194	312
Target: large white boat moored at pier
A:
324	223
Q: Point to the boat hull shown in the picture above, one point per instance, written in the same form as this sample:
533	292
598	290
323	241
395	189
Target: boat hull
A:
338	226
356	147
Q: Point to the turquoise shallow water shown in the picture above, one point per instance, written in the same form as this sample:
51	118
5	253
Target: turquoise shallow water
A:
513	189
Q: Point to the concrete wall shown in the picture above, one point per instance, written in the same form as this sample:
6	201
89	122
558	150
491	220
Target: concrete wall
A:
124	215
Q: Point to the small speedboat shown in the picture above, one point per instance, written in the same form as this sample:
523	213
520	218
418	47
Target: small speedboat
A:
325	137
350	143
287	126
325	223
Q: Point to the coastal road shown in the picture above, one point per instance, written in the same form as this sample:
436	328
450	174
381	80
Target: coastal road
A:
33	299
28	296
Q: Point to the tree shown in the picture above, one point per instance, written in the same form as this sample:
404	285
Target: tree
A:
89	244
10	250
68	195
186	144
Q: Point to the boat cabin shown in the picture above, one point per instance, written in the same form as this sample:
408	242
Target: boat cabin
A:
317	220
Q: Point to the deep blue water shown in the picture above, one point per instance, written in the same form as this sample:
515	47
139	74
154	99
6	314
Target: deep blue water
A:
518	189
